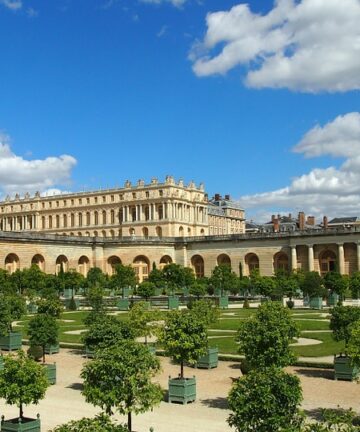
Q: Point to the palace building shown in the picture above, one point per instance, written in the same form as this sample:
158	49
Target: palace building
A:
168	209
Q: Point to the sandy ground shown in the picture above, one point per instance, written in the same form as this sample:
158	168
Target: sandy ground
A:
64	401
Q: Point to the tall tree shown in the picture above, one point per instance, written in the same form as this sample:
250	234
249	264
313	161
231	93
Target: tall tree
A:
43	330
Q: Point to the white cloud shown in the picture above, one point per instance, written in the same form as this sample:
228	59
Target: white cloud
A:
306	45
12	4
177	3
19	175
331	191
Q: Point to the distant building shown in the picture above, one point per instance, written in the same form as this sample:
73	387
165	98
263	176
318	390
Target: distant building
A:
343	222
284	224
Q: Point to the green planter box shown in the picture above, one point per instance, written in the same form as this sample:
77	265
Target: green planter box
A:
152	349
173	302
306	301
182	390
147	305
52	349
186	292
333	299
67	303
158	291
1	363
343	368
11	342
51	372
223	302
32	308
89	353
315	303
125	292
68	293
123	304
209	360
21	425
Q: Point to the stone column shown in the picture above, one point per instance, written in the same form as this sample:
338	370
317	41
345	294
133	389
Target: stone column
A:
341	258
136	213
311	257
293	258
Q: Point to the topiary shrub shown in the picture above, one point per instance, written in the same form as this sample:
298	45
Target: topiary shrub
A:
35	352
72	304
290	304
246	304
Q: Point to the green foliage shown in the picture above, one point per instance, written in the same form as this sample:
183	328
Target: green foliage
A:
244	286
96	276
264	285
119	379
72	304
312	285
287	285
354	344
144	322
206	311
197	289
334	420
177	276
265	401
72	280
43	330
146	290
22	381
224	278
6	286
95	297
290	304
157	278
50	306
265	337
342	318
101	423
12	307
107	331
35	352
246	304
354	285
184	337
5	316
336	283
124	277
33	279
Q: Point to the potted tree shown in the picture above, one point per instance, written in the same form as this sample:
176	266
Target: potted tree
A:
341	322
312	286
22	382
12	307
207	312
223	279
144	322
43	331
184	339
99	423
146	290
52	307
176	277
336	284
119	379
124	279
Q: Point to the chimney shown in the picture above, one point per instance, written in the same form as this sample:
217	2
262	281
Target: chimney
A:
290	216
217	197
310	220
227	197
325	222
276	225
272	218
301	221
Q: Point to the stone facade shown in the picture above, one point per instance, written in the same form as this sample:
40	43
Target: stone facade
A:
320	250
155	210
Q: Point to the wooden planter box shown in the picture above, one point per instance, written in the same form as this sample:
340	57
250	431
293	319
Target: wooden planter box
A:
1	363
123	304
315	303
158	291
51	372
343	368
68	293
306	301
32	308
333	299
209	360
11	342
223	302
173	302
182	390
21	424
52	349
89	353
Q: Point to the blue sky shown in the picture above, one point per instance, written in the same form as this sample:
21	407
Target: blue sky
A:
133	89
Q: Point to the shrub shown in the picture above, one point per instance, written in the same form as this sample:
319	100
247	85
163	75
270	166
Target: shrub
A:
290	304
100	423
35	352
72	304
246	304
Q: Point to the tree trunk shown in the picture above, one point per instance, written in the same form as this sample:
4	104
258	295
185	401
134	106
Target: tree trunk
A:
129	422
182	369
43	354
21	410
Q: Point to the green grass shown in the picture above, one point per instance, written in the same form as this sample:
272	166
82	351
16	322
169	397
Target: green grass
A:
226	345
312	325
328	347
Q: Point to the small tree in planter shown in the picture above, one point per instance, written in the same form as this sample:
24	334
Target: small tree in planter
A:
146	290
44	331
264	338
95	298
354	344
119	379
265	400
341	322
197	289
354	285
101	423
22	382
11	308
223	279
105	332
184	338
312	286
123	279
144	322
336	284
50	306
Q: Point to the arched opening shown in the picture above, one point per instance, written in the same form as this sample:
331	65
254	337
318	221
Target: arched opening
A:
39	261
83	265
141	265
327	261
181	231
96	234
88	218
112	262
87	234
202	231
104	217
224	259
132	231
112	233
61	263
166	259
281	261
198	266
145	232
159	231
103	233
189	232
12	263
252	262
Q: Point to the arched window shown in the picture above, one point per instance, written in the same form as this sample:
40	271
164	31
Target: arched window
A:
38	260
50	222
80	219
104	217
96	218
12	263
181	231
88	222
224	259
327	261
145	232
83	265
65	221
43	222
103	233
57	221
281	261
112	262
61	263
72	219
252	262
141	265
197	263
112	217
158	231
164	261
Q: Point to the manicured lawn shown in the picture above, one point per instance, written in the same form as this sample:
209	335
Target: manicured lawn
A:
312	325
328	347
